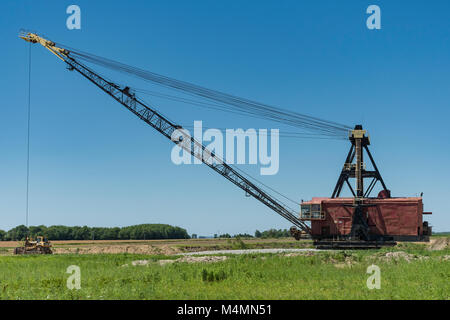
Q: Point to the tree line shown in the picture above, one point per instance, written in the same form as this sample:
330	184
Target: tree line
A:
271	233
136	232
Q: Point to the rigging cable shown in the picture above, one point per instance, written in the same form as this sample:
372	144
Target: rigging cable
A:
28	136
326	128
220	107
241	104
282	134
258	181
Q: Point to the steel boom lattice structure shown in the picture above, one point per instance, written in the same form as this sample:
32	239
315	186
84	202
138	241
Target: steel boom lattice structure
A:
167	128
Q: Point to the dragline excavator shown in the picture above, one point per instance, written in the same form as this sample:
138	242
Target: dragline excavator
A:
358	222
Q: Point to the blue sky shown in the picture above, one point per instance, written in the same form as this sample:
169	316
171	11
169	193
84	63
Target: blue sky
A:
93	163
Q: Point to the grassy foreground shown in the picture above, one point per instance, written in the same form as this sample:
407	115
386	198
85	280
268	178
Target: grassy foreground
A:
326	275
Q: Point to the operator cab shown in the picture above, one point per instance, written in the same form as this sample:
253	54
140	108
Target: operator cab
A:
311	211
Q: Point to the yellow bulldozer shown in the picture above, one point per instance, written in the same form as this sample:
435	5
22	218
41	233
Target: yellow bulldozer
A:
39	246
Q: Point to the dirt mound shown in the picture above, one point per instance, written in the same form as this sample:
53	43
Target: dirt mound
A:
140	262
135	249
348	262
164	262
439	243
340	262
296	254
397	256
187	259
194	259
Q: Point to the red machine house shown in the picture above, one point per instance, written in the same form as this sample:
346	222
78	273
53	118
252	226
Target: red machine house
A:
344	222
398	218
363	221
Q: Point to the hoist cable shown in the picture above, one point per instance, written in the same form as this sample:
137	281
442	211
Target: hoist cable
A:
28	136
248	106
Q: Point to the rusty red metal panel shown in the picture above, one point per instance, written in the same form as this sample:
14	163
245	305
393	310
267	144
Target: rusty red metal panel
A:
389	216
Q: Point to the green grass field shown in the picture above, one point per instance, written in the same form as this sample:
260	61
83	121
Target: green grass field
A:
326	275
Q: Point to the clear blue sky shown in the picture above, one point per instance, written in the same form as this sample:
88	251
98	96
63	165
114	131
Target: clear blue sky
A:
94	163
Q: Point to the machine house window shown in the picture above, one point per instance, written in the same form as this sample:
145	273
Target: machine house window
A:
311	211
